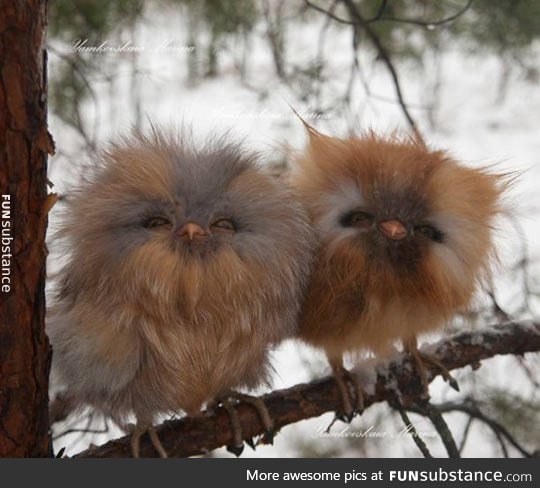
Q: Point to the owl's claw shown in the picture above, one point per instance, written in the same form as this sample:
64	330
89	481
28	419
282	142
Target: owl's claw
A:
343	417
421	359
236	450
344	378
267	438
426	358
136	433
237	447
258	404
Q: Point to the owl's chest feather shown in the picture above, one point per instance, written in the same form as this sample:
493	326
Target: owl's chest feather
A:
193	363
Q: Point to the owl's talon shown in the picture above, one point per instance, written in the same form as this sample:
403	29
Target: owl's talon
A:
426	358
251	443
421	359
358	392
453	383
238	444
156	442
236	450
137	432
135	443
346	417
346	413
268	437
342	377
258	405
337	416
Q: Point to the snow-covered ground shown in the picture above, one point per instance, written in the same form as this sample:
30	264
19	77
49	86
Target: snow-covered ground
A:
469	122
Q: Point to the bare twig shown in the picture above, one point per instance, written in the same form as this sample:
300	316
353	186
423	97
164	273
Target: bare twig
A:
359	20
470	408
191	436
434	414
380	11
429	24
412	431
465	434
320	52
379	17
500	438
274	33
82	430
329	13
78	70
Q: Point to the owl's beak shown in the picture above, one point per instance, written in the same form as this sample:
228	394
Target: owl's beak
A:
393	229
191	231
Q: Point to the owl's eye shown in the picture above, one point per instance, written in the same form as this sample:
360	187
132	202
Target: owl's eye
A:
154	222
357	218
226	225
430	232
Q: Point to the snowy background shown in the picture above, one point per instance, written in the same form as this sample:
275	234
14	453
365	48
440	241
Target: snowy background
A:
457	101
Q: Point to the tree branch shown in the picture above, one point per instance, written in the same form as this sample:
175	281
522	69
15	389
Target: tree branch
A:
441	427
470	408
423	23
384	55
412	431
192	436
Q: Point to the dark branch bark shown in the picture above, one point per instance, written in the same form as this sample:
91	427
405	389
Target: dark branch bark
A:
24	144
191	436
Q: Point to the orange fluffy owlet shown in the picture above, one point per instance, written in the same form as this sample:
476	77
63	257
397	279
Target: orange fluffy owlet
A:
405	236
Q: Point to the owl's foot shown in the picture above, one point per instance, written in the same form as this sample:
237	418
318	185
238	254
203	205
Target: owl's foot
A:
352	404
421	359
426	358
264	415
237	447
137	432
227	402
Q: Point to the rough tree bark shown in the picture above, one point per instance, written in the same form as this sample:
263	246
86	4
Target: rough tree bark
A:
24	144
191	436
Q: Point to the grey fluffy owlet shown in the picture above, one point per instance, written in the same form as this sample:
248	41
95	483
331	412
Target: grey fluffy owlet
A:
183	266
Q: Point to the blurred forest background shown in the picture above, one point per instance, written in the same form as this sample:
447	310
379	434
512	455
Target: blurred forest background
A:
464	73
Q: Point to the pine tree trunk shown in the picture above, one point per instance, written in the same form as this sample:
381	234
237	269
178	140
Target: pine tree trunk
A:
24	144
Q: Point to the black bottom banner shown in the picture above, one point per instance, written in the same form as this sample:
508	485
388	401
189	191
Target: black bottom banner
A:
267	472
